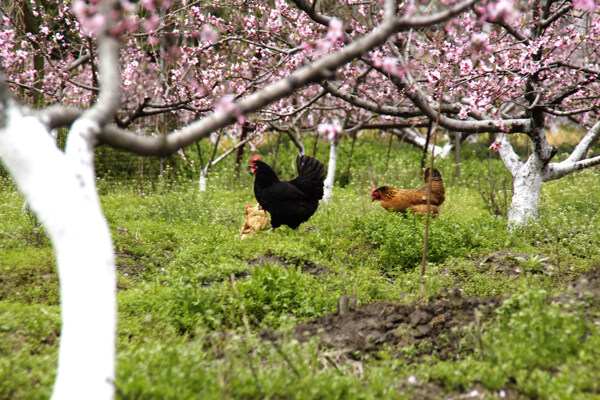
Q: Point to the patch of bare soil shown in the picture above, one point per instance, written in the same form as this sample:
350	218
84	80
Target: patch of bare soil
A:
585	288
130	264
504	261
432	328
352	333
307	268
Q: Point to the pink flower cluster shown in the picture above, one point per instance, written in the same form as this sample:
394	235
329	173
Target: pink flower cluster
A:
335	34
502	10
496	146
330	130
198	58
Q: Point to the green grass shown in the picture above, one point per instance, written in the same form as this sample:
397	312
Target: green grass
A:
188	285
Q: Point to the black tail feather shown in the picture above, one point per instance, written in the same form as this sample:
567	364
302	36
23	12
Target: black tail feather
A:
311	174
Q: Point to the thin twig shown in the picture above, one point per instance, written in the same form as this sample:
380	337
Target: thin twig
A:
428	215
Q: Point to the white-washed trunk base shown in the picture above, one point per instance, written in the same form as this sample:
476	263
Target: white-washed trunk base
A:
329	180
527	187
69	209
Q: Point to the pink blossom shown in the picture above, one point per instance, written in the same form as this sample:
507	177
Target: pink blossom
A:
93	24
149	4
585	5
227	106
330	130
208	34
150	23
390	66
89	17
306	46
336	30
480	42
433	76
128	7
502	10
466	67
496	146
126	25
334	34
449	27
79	8
323	46
410	9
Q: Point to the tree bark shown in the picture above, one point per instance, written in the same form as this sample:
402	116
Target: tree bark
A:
527	186
329	180
60	195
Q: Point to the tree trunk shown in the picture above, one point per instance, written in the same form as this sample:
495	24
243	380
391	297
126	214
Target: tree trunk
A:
204	171
528	178
203	179
329	180
60	189
527	187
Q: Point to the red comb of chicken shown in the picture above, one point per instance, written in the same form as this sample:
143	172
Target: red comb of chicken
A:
255	158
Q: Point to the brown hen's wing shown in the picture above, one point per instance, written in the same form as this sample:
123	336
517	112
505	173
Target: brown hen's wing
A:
402	199
422	209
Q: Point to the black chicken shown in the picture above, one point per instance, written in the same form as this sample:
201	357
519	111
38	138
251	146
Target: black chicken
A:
289	202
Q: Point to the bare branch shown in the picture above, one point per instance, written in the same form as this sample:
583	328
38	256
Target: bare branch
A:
554	17
585	144
405	112
555	171
310	11
416	95
510	158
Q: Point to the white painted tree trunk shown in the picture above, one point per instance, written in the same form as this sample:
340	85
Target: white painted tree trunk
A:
527	187
527	183
330	178
60	189
203	179
529	177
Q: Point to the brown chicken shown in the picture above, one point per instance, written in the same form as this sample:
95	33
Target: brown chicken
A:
415	200
256	219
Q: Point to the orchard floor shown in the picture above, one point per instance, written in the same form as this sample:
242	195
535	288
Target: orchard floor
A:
431	328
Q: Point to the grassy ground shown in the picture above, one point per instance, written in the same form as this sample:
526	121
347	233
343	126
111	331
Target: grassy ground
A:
203	314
